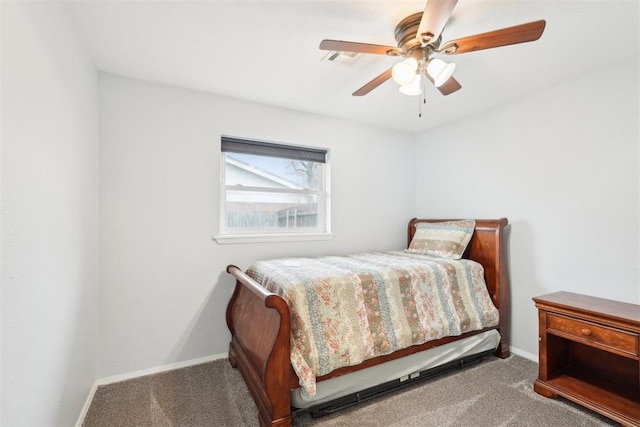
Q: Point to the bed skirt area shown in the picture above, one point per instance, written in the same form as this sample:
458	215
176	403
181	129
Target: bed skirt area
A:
399	369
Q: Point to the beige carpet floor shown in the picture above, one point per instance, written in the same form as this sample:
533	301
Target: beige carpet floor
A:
494	392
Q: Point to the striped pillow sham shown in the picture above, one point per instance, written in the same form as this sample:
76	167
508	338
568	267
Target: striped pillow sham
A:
446	239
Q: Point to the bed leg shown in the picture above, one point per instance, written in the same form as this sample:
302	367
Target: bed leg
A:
282	422
503	351
232	357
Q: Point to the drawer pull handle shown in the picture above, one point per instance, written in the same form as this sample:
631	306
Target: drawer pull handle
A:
586	332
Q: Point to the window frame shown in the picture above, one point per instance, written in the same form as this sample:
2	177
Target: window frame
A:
279	150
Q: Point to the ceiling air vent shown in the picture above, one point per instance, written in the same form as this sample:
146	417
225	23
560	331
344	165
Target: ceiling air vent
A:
347	58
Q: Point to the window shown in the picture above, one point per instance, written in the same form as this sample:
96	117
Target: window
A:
272	192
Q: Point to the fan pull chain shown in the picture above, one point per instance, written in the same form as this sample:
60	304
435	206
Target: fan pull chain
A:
424	98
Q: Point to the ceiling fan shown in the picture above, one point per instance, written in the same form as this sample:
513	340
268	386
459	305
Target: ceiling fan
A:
419	38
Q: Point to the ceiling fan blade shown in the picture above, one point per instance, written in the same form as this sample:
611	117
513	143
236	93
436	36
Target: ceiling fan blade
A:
448	87
386	75
343	46
435	16
504	37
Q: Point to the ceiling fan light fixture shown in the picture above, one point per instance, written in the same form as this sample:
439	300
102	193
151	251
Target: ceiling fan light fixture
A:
440	71
413	88
404	72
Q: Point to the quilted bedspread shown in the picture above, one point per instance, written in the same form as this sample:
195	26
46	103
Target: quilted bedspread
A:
346	309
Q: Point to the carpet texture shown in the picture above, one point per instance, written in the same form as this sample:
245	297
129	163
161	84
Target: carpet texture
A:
494	392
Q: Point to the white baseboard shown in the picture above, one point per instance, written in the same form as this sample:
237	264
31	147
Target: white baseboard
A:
87	403
158	369
142	373
525	354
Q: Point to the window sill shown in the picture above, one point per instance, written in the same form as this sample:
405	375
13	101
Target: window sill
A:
230	239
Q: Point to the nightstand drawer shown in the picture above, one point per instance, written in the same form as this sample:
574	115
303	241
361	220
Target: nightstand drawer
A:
593	334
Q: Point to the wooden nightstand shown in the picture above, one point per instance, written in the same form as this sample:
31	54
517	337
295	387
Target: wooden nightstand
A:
589	353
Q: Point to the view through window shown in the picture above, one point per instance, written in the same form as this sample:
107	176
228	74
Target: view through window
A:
273	188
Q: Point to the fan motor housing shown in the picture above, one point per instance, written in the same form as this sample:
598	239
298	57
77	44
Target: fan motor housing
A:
405	35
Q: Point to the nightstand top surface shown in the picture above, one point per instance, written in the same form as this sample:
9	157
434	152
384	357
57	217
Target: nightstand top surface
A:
586	303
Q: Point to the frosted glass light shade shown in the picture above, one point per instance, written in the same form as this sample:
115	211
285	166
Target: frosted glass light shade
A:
404	72
440	71
413	88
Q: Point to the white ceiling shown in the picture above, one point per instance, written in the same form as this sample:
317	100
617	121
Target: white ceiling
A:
267	51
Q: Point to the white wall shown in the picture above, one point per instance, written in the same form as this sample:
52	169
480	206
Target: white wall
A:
164	288
562	166
49	217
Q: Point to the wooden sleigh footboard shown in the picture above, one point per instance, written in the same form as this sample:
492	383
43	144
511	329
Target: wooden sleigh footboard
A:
260	348
259	322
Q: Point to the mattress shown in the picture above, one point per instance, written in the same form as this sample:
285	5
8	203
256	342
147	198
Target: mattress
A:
399	369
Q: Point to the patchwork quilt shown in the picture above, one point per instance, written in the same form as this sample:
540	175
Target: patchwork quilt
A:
346	309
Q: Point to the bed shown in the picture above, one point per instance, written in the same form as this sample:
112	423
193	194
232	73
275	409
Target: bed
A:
265	352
